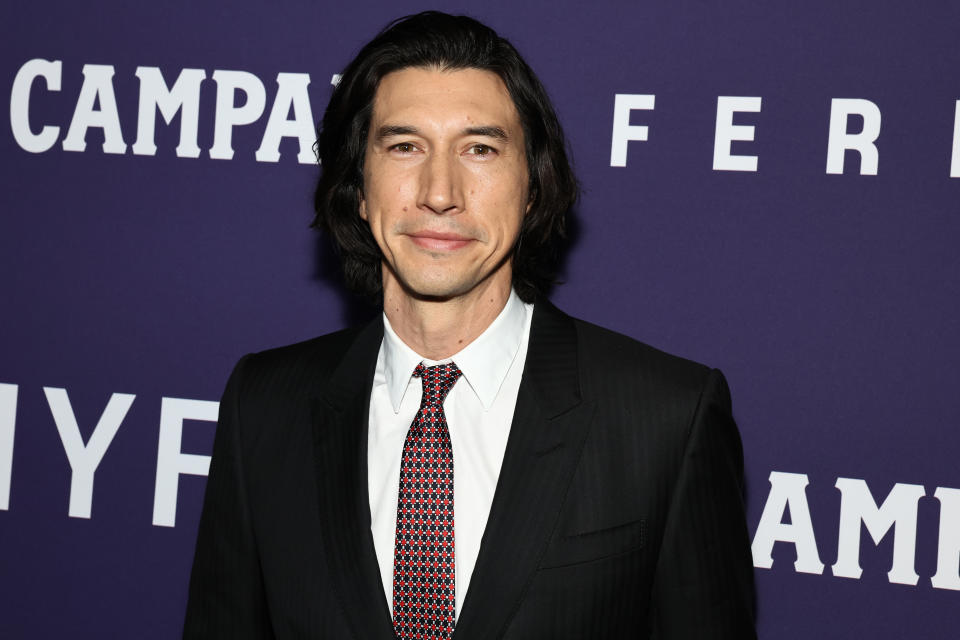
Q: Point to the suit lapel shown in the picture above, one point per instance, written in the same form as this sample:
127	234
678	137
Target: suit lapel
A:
340	449
549	428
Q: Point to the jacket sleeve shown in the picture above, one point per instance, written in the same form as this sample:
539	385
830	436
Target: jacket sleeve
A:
703	587
226	598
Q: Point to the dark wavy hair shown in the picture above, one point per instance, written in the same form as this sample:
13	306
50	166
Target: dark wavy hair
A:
437	40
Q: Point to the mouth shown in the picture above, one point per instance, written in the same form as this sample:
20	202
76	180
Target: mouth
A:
439	240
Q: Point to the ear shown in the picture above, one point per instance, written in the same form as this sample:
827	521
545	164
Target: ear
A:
363	208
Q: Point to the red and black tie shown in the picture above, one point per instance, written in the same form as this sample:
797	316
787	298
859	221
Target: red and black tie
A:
424	594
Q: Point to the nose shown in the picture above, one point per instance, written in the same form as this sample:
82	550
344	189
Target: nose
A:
440	185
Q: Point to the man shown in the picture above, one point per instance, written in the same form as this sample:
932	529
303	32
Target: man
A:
474	463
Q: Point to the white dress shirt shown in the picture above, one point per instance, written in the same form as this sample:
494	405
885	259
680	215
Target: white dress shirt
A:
479	411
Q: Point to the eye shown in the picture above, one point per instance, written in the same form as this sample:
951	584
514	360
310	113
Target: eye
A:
481	149
404	147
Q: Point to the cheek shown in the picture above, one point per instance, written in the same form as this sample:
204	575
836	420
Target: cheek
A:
388	200
506	187
511	207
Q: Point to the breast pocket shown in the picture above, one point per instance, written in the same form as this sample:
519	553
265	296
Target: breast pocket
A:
575	546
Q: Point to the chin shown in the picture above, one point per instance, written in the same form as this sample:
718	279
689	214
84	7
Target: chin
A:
428	281
435	290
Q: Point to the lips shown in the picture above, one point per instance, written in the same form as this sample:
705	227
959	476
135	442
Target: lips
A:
439	240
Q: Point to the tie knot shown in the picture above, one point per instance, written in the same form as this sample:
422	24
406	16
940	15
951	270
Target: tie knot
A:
437	381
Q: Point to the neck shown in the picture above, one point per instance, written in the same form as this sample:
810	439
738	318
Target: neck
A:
438	328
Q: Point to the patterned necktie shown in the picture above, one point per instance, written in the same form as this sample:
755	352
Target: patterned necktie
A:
423	560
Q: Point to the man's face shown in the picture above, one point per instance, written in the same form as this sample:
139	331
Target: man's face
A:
445	181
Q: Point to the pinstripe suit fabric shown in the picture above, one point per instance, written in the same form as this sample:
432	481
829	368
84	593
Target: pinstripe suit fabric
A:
618	512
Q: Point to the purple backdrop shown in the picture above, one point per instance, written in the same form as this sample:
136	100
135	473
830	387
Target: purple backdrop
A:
830	300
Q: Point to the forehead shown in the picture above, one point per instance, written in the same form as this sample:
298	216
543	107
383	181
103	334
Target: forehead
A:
430	96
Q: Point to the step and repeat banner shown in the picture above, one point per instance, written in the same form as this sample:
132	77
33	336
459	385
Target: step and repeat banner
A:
769	188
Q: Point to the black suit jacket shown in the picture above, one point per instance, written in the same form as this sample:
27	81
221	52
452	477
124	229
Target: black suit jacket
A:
618	512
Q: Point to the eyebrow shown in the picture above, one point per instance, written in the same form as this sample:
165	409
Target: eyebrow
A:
388	131
490	131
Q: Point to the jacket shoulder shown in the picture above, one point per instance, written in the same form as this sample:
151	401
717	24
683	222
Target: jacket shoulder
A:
606	353
294	370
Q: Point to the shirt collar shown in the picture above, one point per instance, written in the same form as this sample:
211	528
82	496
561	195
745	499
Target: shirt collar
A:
484	362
